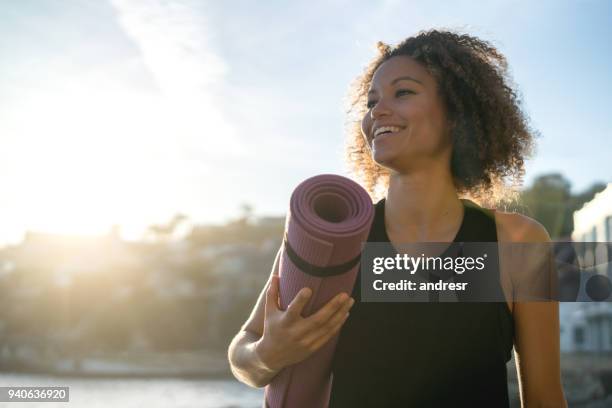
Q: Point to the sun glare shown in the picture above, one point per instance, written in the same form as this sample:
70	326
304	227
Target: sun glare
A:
88	158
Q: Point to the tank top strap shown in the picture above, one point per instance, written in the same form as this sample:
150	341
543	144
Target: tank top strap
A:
478	224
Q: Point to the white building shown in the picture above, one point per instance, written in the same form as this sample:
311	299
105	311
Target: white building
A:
593	222
587	326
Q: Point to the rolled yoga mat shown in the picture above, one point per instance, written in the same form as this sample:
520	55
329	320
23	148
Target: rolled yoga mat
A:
328	220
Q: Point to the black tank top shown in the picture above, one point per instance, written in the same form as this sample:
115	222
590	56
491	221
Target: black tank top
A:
392	354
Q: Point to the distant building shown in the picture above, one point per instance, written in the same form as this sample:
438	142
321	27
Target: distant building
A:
587	326
593	222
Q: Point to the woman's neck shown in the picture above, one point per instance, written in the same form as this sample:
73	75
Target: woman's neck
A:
422	206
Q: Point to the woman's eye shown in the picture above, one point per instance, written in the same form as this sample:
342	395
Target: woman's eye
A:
403	91
370	104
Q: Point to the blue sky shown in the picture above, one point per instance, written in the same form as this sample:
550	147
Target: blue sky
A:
126	112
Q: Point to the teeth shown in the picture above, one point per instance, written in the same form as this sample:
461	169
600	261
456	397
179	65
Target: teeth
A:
391	129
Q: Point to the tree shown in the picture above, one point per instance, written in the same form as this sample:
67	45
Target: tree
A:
549	200
165	232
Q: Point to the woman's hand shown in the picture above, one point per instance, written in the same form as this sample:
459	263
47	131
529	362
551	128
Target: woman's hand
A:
288	337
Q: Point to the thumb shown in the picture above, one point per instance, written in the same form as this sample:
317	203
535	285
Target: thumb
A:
272	296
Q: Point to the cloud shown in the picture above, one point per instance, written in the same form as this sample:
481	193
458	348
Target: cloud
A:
175	42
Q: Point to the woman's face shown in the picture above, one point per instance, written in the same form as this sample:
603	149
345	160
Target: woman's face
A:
403	95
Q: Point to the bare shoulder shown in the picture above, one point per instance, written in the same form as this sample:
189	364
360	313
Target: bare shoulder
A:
518	229
514	227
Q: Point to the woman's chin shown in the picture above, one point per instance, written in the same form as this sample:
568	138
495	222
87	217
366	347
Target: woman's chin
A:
382	157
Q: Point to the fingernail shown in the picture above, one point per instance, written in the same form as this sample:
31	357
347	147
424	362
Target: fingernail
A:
351	302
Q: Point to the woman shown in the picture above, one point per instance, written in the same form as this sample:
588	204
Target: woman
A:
439	121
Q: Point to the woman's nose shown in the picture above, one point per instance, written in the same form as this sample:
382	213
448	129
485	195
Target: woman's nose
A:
380	109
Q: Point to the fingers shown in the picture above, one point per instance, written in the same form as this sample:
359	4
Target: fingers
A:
294	310
272	296
323	339
321	317
331	326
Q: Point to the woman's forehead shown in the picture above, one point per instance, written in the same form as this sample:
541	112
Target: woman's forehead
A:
400	66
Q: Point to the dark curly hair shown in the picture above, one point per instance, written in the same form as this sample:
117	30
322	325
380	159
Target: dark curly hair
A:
491	135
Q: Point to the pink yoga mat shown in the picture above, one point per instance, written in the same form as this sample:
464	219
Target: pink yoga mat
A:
328	220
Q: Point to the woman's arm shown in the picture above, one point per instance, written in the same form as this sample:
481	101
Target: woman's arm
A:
246	362
536	324
244	352
536	345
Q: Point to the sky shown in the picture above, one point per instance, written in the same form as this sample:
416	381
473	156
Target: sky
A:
117	112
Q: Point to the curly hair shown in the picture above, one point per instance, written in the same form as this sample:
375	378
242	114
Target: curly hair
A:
491	136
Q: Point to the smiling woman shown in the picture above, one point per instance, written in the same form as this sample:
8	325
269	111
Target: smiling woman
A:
437	123
450	80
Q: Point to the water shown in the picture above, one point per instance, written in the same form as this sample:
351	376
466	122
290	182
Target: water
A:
132	393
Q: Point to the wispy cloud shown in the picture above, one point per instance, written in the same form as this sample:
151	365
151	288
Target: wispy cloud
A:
175	41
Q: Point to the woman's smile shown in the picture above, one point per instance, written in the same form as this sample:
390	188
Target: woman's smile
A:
386	135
